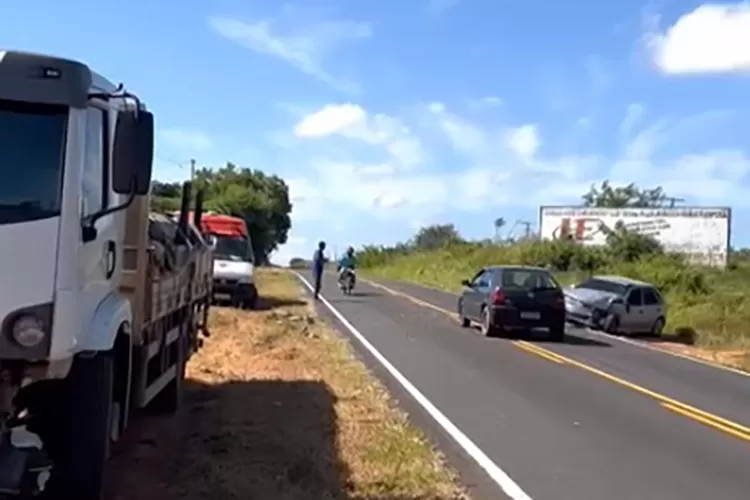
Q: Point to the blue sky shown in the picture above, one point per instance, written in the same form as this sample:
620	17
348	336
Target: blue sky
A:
385	116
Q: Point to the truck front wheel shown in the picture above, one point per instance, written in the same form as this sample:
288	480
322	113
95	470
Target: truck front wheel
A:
84	427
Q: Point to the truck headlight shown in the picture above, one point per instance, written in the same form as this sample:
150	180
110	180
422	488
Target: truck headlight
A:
28	331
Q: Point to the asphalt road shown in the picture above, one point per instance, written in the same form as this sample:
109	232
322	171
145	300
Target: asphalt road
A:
591	419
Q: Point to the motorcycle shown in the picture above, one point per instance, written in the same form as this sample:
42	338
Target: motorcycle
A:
346	281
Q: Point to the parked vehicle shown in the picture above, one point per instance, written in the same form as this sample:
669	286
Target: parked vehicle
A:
616	304
347	280
101	305
506	300
234	268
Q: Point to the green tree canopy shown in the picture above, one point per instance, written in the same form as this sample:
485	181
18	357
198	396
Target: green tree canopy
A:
436	235
610	196
261	200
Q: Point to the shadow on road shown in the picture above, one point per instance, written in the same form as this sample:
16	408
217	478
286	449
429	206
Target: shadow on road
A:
356	293
265	439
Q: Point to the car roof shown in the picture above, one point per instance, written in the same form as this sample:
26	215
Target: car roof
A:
515	268
622	280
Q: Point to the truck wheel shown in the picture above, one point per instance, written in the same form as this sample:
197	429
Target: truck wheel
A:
252	299
169	400
84	427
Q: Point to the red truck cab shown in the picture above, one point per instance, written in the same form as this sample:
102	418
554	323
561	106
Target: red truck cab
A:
234	267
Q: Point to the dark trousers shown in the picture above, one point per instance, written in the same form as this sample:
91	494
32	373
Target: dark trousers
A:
318	279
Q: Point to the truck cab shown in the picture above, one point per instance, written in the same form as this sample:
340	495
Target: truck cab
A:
233	272
94	324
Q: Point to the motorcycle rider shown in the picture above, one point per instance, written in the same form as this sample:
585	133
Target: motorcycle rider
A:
347	264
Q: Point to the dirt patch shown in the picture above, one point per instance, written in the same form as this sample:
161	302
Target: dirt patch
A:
277	408
734	358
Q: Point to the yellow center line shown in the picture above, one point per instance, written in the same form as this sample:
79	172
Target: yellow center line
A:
715	421
531	349
707	421
673	403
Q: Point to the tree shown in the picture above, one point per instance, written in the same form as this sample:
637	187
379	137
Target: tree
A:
632	196
261	200
165	196
435	236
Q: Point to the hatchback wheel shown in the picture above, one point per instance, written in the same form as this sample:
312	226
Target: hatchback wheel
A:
465	322
488	329
657	328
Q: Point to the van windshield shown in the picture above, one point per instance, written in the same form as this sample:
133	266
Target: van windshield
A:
32	154
232	248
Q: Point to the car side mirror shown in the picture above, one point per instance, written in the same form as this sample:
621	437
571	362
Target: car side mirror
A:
466	283
133	152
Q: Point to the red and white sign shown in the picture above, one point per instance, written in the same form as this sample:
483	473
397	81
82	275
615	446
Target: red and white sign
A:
701	233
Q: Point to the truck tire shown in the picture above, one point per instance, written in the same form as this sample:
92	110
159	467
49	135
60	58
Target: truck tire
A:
169	400
84	427
252	300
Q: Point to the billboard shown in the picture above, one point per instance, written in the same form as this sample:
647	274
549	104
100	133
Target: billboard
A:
700	233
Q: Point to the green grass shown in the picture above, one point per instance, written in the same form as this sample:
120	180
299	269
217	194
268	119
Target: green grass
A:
710	306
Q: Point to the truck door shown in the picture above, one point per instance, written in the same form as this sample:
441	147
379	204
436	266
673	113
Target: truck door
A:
98	258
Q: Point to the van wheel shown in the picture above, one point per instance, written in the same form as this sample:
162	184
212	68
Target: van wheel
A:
84	427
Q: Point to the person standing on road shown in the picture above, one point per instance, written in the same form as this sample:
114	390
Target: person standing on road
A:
319	260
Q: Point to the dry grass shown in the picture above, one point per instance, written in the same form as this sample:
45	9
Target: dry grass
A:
277	408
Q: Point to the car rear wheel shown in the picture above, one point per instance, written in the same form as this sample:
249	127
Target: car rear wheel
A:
557	333
657	328
488	329
465	322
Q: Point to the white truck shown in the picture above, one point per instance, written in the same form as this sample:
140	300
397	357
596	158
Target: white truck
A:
101	303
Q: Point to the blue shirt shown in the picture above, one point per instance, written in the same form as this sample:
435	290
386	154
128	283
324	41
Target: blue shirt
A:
319	260
347	262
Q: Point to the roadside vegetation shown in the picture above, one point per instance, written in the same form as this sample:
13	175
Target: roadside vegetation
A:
709	308
277	407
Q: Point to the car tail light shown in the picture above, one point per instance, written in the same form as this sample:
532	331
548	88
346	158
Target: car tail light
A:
497	297
559	301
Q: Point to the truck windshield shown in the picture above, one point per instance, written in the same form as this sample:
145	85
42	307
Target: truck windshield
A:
32	152
232	248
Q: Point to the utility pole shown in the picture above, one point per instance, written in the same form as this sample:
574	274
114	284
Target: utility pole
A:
527	228
192	169
672	200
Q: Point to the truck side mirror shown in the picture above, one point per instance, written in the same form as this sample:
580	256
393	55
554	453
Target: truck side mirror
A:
132	152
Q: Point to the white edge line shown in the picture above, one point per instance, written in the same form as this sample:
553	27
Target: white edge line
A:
509	487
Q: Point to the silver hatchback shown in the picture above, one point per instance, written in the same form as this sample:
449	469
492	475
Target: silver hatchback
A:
616	304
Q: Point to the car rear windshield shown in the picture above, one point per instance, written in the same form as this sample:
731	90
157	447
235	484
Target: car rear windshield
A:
602	286
527	279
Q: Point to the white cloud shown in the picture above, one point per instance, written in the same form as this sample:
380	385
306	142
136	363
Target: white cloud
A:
633	115
713	38
185	139
524	141
353	122
307	49
329	120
